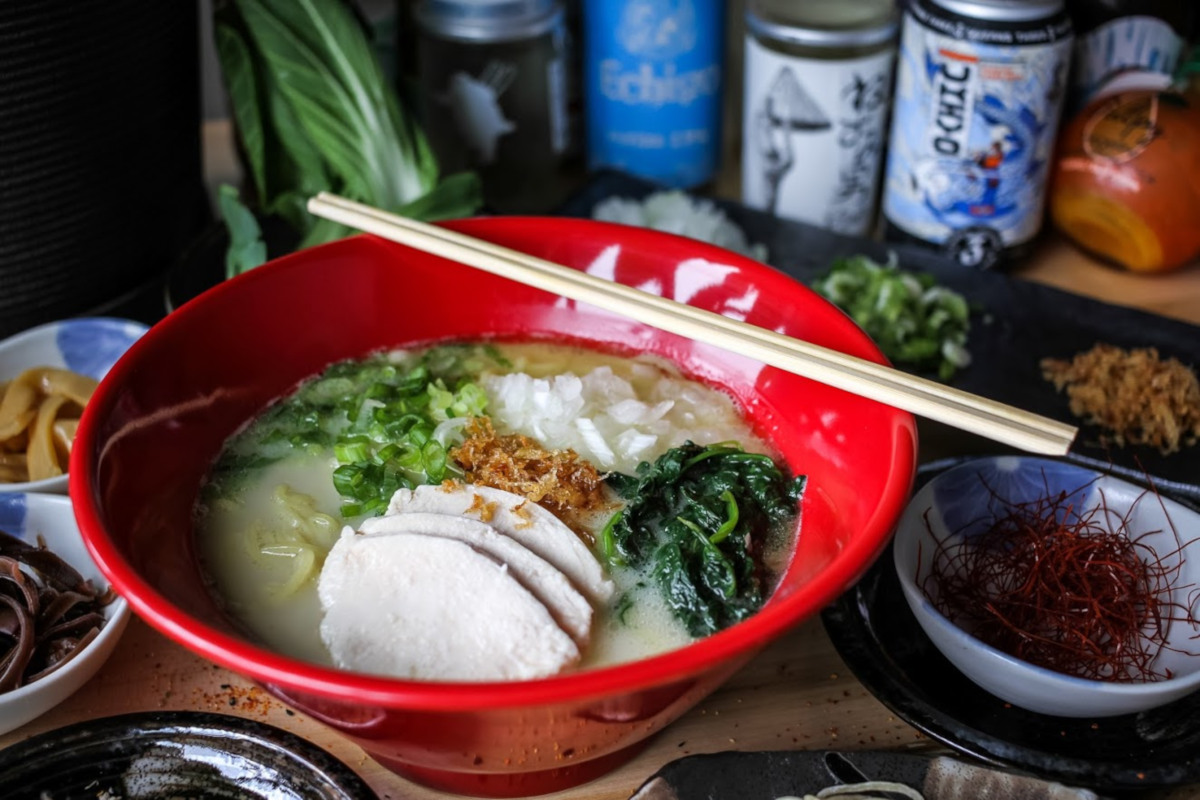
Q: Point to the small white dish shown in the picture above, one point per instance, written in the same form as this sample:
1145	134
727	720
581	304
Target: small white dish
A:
51	517
87	345
958	502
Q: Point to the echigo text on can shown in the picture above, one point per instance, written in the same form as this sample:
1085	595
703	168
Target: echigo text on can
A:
652	87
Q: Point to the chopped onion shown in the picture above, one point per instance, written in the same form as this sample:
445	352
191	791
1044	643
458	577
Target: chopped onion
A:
597	448
613	420
450	431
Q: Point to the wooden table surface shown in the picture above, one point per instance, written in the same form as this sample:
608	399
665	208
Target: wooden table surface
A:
797	694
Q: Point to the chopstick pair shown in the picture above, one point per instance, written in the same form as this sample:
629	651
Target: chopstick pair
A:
963	410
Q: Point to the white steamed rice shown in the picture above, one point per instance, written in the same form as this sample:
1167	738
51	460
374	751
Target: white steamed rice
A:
674	211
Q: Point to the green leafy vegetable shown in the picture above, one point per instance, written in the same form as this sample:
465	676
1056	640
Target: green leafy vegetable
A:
912	318
246	247
379	419
314	112
698	518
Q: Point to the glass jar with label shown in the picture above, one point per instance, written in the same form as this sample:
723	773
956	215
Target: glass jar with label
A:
494	85
1117	36
818	78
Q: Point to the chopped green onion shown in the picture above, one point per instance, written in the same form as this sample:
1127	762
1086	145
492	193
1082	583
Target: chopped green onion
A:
351	450
914	320
375	417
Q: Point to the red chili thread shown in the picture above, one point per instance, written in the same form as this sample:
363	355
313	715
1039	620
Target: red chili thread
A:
1062	588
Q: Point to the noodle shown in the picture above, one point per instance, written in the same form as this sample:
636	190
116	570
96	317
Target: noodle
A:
39	412
870	790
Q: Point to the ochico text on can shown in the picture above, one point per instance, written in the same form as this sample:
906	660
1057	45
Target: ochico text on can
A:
979	89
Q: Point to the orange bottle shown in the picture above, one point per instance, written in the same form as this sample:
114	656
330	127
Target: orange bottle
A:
1126	183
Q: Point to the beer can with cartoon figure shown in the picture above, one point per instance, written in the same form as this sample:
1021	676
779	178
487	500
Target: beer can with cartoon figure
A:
818	76
979	90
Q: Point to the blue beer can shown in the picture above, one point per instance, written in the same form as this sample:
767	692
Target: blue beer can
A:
979	89
652	87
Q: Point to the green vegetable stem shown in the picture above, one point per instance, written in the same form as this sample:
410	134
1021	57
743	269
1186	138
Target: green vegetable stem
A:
314	112
698	518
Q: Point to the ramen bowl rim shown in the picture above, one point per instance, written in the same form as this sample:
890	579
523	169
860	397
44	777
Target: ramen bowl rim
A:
245	657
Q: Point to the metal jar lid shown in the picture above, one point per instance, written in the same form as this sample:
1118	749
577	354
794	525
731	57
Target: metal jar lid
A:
482	21
830	34
1002	10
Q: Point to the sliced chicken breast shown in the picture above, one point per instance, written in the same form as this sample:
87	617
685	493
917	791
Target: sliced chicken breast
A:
428	607
569	608
518	518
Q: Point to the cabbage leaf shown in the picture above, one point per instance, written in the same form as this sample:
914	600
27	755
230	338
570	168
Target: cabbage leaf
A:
314	112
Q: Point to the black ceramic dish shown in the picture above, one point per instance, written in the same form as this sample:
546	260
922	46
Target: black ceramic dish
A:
879	639
1015	323
162	755
770	775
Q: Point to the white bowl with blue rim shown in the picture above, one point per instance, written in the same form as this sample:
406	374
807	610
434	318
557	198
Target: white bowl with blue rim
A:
87	345
50	520
962	501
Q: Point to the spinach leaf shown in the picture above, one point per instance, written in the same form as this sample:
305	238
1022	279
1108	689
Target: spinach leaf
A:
698	518
246	247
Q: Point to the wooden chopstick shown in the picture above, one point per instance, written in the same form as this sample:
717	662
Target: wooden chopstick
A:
963	410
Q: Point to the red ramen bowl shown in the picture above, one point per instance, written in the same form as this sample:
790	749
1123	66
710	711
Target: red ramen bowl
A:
160	417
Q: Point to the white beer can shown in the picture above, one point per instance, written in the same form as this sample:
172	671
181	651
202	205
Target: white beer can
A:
817	82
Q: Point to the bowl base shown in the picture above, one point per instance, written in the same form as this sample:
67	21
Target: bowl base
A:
513	784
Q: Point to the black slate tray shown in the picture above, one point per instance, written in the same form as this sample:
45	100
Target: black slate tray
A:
1015	323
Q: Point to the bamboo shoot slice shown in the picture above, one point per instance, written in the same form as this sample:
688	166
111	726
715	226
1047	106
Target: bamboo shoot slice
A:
64	433
18	407
75	387
43	460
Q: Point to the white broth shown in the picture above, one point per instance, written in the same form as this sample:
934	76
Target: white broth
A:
271	512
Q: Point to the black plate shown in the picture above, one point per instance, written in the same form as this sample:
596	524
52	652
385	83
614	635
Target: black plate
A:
1014	325
881	641
174	754
770	775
